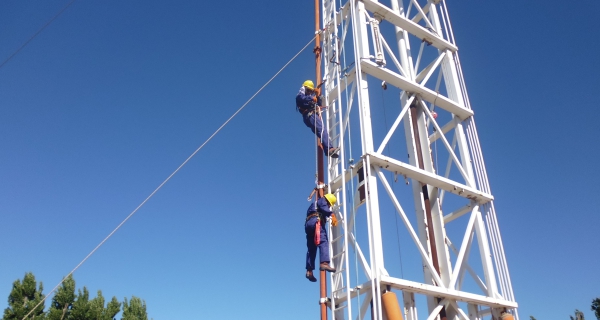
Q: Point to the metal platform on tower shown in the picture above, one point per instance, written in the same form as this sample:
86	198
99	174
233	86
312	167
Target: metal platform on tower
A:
411	174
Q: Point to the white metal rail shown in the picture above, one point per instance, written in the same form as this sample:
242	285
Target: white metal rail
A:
362	31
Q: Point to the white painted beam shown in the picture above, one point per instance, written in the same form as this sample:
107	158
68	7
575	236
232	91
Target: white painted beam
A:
450	294
445	129
408	25
403	83
458	213
430	178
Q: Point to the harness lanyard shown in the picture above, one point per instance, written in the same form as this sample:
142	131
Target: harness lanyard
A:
318	113
318	224
317	239
318	231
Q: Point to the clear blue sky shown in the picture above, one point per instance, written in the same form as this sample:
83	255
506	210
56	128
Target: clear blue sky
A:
108	100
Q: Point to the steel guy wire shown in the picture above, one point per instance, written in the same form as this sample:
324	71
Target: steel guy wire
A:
35	34
171	175
389	155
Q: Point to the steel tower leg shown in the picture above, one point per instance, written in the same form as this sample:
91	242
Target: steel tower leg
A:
437	122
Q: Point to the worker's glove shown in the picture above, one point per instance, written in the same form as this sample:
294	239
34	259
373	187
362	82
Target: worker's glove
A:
334	221
315	99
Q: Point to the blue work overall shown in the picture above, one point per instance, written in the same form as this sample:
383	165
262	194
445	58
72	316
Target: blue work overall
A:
306	105
322	211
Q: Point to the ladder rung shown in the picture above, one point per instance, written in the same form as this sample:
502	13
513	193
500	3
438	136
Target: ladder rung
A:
336	239
339	271
340	307
339	290
337	255
360	203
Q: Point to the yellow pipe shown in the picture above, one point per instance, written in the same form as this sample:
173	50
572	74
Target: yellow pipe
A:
391	308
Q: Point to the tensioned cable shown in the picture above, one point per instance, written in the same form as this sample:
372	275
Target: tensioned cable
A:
389	154
38	32
170	176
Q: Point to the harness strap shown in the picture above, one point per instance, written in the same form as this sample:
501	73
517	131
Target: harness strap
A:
312	215
307	110
318	232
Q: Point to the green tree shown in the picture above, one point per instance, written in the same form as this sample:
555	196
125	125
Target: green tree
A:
578	315
85	309
532	318
66	305
135	309
22	299
81	306
62	302
99	312
596	307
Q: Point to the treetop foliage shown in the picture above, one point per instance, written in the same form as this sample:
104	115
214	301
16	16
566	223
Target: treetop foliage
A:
596	307
66	305
23	297
135	310
578	315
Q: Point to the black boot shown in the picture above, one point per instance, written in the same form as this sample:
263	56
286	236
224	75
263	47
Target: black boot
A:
332	152
310	277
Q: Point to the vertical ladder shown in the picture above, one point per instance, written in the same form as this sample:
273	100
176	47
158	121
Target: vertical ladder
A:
340	280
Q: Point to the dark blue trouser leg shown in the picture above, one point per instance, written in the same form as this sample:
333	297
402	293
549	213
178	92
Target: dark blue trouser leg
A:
309	228
324	247
315	124
311	254
312	251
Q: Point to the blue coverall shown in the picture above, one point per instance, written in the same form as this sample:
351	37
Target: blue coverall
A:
304	103
309	227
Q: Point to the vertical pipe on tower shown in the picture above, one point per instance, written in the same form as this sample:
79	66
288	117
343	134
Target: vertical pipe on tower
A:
320	171
434	256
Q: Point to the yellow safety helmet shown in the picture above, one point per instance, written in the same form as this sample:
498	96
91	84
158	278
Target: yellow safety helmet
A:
331	198
309	84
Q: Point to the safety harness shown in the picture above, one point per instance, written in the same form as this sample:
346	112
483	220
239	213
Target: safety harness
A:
307	111
313	106
317	226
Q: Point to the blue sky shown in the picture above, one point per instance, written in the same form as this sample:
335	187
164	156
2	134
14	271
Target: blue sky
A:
109	99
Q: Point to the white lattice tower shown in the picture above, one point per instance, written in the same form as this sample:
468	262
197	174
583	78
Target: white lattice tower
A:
366	45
